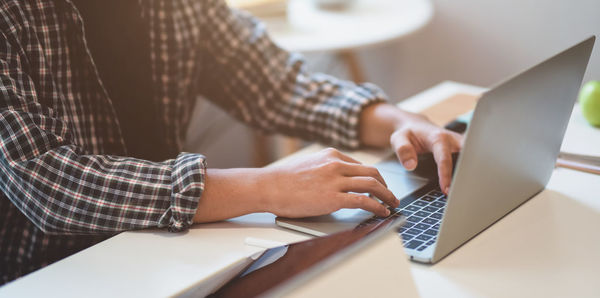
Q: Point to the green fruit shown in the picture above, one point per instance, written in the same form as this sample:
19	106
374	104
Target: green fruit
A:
589	99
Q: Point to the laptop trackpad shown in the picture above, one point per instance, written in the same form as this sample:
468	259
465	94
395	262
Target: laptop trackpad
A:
402	184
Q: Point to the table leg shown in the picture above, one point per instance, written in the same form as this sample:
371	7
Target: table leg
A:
355	70
260	155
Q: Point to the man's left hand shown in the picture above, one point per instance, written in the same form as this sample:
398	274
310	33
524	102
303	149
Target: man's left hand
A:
410	134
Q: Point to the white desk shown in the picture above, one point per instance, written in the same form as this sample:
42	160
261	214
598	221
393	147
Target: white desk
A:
550	246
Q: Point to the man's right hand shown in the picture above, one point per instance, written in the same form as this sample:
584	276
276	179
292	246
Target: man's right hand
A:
325	182
312	185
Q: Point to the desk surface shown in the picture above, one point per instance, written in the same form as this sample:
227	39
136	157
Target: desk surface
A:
547	247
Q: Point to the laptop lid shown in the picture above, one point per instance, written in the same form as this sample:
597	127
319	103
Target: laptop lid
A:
511	145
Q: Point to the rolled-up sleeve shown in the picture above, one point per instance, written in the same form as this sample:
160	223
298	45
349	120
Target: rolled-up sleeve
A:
63	189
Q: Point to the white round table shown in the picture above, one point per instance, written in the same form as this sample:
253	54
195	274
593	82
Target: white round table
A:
363	23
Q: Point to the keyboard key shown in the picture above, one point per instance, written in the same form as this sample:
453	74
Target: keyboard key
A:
431	242
430	209
413	244
437	227
419	203
427	199
422	226
422	248
423	237
431	221
431	232
422	214
413	231
407	237
435	215
407	213
436	193
412	208
408	225
414	219
438	204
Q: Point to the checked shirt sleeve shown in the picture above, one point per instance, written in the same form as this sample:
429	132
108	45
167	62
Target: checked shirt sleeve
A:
269	88
64	190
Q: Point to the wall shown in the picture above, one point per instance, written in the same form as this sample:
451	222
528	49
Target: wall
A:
481	42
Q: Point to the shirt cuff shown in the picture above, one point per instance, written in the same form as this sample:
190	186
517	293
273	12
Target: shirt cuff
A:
356	100
187	181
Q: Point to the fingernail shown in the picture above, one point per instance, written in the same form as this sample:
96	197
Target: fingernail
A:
397	203
387	212
447	189
410	164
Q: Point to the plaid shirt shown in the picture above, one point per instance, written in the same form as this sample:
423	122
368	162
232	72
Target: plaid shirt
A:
66	179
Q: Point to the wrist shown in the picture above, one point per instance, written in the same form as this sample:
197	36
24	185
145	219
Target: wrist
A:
379	122
229	193
263	187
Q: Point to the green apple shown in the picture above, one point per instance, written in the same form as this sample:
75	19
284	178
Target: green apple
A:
589	99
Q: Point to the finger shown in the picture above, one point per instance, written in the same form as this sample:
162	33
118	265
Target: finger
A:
372	186
352	170
458	141
405	150
365	203
332	152
443	158
347	158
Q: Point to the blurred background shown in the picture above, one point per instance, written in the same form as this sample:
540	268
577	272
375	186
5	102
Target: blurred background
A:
411	46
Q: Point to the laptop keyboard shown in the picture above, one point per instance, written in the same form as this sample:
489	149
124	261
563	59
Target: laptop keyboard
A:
423	218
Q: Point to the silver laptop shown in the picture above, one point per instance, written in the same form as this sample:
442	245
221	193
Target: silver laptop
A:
509	153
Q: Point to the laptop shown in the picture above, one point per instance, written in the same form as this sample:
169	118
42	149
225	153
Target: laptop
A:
508	156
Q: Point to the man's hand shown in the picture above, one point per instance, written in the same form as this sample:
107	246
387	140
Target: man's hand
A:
325	182
410	134
311	185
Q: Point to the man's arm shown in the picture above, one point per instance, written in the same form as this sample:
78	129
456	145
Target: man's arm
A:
295	189
246	74
270	88
63	189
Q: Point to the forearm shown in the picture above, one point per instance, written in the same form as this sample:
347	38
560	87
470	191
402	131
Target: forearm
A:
379	121
274	91
230	193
